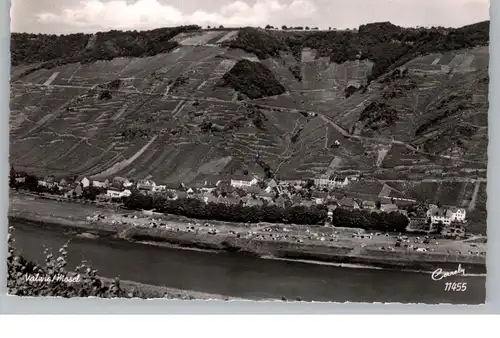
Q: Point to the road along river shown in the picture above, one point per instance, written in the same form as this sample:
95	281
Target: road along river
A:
240	275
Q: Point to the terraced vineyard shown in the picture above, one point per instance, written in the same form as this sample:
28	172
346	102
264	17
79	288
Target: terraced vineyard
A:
166	115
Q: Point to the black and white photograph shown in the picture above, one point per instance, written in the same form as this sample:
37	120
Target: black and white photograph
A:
260	150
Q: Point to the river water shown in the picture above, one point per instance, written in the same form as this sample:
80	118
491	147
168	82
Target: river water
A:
240	275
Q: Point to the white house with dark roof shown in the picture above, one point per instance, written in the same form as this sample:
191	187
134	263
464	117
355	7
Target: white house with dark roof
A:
437	215
389	208
100	184
369	205
458	214
337	181
123	181
446	215
160	188
48	181
291	183
244	181
348	203
85	182
148	185
113	193
20	179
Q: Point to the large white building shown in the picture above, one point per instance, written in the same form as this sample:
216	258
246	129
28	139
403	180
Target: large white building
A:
244	183
331	182
99	184
458	214
146	185
118	194
293	183
446	216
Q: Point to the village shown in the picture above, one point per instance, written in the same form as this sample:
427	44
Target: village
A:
251	191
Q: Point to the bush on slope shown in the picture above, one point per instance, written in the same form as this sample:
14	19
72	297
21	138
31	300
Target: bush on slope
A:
252	79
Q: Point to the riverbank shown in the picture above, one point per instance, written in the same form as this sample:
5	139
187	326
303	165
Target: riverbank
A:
313	243
147	291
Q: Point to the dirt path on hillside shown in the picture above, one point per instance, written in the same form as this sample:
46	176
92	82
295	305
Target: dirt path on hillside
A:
472	204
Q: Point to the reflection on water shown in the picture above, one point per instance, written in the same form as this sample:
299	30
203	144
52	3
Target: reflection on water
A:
244	276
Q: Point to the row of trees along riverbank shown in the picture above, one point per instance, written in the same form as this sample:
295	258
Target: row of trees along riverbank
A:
195	208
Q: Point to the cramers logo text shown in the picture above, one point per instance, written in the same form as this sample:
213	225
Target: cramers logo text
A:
439	274
48	279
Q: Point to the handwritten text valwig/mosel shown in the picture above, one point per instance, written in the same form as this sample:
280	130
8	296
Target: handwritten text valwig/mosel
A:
49	279
438	274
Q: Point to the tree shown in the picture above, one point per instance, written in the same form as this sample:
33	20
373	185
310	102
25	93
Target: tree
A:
221	27
309	183
268	27
90	193
307	28
12	176
31	183
284	27
439	227
240	192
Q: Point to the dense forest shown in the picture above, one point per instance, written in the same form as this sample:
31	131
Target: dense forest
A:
53	50
385	44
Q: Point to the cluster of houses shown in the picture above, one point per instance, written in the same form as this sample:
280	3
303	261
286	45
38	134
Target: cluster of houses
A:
446	216
251	191
450	218
117	188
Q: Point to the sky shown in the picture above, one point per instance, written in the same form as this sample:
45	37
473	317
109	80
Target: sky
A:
89	16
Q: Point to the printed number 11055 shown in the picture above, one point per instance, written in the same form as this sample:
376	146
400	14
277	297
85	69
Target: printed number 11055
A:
457	287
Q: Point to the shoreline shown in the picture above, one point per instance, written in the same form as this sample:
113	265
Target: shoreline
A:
347	256
163	292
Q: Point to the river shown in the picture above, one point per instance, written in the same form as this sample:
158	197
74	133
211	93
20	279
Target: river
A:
239	275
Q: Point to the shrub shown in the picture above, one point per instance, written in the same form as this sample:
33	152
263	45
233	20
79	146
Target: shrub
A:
378	115
296	72
349	91
54	279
